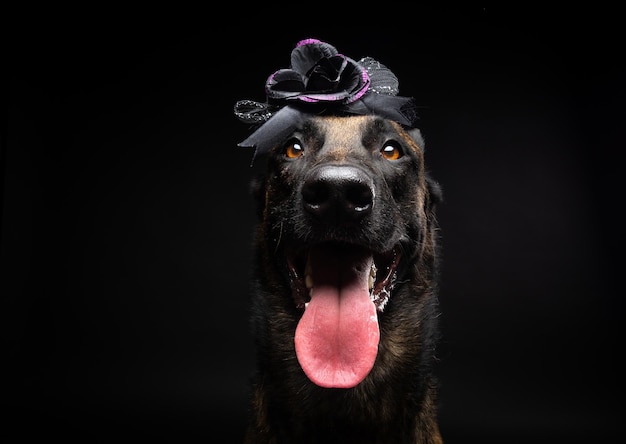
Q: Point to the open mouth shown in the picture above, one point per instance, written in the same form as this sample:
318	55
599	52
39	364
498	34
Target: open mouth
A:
381	274
341	289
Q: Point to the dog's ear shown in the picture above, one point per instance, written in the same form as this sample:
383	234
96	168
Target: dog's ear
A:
434	189
435	194
417	137
257	191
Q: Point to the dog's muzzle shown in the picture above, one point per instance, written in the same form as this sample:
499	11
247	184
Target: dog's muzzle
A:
338	195
341	278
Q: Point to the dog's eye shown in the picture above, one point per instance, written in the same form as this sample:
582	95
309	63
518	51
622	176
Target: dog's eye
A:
391	151
294	150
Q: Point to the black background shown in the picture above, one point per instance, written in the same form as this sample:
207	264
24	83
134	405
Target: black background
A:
126	219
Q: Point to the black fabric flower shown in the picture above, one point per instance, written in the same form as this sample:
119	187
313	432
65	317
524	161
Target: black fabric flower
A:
321	81
318	74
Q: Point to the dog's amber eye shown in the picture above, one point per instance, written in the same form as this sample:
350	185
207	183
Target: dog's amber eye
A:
294	150
391	151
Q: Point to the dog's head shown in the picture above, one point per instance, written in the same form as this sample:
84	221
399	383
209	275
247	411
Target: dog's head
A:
347	212
346	217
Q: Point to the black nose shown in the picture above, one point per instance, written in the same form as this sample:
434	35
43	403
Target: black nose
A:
338	195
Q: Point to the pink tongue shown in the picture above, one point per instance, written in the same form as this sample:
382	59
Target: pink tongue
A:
337	338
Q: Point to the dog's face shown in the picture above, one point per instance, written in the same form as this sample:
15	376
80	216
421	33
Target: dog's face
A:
346	216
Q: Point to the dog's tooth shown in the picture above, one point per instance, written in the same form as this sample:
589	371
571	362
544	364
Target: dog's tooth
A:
306	304
308	279
370	281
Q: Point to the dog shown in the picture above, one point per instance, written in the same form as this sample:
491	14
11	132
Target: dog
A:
344	307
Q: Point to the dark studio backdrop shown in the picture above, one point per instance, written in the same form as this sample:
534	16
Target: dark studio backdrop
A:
126	219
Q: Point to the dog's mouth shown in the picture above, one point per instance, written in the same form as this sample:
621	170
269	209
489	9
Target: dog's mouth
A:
381	274
341	289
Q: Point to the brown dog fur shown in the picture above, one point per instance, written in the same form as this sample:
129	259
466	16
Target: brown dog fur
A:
397	401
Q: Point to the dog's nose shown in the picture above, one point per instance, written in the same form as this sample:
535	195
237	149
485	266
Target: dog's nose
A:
338	194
